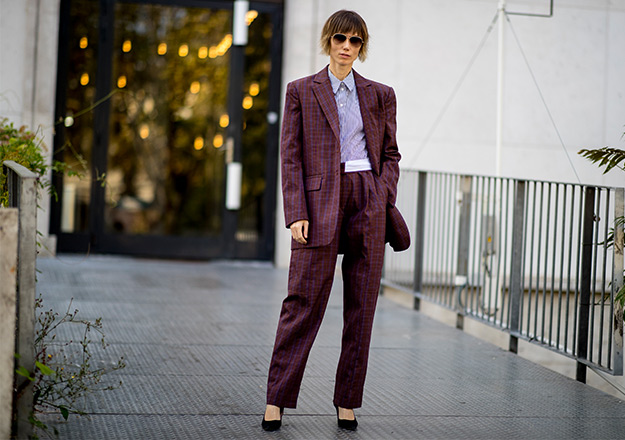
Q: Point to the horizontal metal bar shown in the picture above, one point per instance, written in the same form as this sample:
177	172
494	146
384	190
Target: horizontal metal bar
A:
527	14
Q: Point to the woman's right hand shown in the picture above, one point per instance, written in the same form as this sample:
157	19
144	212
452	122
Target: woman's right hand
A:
299	231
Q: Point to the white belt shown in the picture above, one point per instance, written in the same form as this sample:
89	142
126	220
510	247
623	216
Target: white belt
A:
357	165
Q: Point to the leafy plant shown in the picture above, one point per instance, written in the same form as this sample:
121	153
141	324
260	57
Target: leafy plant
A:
27	148
65	370
610	158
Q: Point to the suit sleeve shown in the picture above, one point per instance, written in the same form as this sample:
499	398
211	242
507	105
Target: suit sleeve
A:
291	153
390	153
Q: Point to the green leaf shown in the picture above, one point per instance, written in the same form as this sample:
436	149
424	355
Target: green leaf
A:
24	372
620	296
606	156
64	412
45	370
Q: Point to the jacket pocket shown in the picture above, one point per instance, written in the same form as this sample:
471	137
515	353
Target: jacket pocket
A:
313	183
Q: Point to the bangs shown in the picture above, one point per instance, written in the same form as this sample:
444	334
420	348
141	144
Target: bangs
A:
347	24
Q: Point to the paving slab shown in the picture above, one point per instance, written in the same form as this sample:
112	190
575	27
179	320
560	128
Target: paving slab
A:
197	338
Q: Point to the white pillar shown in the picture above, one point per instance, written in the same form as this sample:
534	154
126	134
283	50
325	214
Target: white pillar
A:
500	77
8	313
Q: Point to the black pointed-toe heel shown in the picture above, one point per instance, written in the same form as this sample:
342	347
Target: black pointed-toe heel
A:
272	425
350	425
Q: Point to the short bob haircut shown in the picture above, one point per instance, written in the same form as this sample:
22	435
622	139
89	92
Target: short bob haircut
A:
345	22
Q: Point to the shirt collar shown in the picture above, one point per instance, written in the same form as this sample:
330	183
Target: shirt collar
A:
349	81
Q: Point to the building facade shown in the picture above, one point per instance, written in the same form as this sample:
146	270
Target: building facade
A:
152	101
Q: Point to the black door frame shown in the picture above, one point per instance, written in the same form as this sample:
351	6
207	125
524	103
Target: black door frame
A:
96	240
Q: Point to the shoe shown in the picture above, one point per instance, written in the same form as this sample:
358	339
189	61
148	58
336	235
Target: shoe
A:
350	425
272	425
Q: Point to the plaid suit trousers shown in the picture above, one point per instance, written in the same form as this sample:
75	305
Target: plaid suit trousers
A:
360	236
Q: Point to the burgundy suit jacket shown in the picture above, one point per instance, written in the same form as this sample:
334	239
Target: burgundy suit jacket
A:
310	150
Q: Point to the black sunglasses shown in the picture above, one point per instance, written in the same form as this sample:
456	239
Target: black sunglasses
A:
354	40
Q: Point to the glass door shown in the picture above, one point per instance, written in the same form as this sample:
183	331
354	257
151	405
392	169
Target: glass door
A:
159	130
165	172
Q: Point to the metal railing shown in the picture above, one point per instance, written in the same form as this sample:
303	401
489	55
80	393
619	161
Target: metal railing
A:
540	260
22	186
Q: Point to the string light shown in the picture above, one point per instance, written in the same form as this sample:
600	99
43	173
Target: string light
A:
221	48
195	87
218	141
250	16
198	143
121	81
127	46
248	102
162	49
202	52
224	45
224	121
254	89
144	131
84	42
84	79
183	50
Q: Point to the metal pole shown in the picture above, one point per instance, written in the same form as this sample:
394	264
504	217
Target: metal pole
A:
516	265
500	77
419	239
464	238
461	281
585	288
617	282
234	155
101	115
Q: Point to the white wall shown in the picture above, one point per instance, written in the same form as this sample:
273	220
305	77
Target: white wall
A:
422	47
28	57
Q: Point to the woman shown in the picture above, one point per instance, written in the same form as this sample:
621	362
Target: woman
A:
339	179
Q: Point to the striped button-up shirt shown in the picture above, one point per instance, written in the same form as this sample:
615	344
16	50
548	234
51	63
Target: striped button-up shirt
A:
353	142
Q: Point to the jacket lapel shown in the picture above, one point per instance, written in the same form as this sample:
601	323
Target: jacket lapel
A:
367	99
322	88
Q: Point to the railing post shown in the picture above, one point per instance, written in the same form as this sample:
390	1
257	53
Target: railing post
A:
464	237
585	288
8	266
419	238
22	185
617	281
516	265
